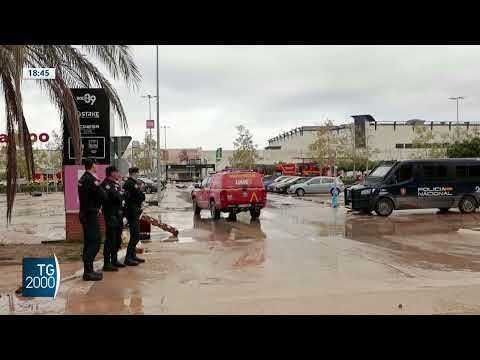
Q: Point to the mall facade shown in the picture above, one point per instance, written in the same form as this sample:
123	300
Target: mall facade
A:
382	140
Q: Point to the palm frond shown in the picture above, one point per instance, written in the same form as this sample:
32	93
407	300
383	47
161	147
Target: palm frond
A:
73	70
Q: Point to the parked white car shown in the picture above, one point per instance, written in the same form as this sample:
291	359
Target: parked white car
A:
317	185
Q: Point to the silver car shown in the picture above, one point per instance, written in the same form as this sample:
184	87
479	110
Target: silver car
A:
317	185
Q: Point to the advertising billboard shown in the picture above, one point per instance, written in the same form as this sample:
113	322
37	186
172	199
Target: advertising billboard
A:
94	112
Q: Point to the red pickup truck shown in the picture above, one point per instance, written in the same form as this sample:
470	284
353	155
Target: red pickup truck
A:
232	192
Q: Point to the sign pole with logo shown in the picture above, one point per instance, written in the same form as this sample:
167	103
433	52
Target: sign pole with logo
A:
150	125
93	109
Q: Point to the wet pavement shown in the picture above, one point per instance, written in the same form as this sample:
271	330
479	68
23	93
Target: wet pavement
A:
34	219
300	257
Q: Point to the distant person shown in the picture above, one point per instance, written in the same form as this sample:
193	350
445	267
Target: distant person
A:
91	196
113	213
133	209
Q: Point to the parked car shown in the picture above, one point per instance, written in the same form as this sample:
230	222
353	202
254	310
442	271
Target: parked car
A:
149	185
317	185
267	180
282	188
281	184
277	179
280	179
231	192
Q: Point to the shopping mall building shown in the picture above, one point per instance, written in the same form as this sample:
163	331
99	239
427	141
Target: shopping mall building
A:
384	140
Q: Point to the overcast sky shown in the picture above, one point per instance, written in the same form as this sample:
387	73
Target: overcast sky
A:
205	91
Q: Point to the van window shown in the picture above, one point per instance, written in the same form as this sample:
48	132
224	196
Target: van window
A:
474	170
461	171
442	171
204	182
404	173
381	171
435	172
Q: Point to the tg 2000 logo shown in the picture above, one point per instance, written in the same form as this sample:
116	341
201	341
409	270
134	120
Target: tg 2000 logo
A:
41	277
87	98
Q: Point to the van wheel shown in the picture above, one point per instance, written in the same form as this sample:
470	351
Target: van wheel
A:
213	211
196	208
384	207
467	205
443	210
300	192
255	213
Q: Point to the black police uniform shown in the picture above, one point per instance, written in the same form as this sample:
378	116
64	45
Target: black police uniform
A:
133	203
113	212
91	196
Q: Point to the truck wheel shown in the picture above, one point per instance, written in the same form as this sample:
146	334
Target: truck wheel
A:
300	192
384	207
467	205
213	211
255	213
196	209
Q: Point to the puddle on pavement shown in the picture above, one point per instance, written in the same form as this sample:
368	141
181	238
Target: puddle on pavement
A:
185	239
18	305
433	241
224	230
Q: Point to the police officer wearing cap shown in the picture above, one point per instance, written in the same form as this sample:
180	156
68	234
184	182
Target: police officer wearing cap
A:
133	208
113	212
91	196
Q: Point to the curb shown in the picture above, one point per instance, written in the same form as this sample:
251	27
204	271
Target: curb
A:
97	265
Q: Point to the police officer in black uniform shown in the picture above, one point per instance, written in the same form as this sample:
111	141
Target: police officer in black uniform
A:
133	203
91	196
113	212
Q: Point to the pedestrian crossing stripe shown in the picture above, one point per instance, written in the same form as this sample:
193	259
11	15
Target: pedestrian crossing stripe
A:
254	195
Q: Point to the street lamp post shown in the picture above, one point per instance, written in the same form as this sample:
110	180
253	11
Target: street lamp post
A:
158	137
456	99
165	146
149	97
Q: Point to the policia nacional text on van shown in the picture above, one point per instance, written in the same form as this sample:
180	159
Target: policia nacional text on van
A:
418	184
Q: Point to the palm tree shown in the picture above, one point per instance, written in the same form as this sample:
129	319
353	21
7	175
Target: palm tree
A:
73	69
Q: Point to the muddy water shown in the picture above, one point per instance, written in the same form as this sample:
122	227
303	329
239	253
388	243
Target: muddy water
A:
34	219
298	258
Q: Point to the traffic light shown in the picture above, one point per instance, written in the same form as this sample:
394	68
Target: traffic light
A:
219	153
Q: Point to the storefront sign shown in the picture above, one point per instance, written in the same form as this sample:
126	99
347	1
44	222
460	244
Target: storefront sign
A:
43	137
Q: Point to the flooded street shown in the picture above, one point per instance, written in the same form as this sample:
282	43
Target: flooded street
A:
300	257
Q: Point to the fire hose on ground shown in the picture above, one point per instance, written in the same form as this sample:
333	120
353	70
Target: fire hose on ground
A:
158	223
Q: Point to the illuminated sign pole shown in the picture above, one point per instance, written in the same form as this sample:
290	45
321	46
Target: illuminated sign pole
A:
150	126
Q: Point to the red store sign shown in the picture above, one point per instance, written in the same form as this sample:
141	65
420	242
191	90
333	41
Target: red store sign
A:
43	137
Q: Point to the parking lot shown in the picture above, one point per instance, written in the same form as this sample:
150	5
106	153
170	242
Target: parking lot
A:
300	257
